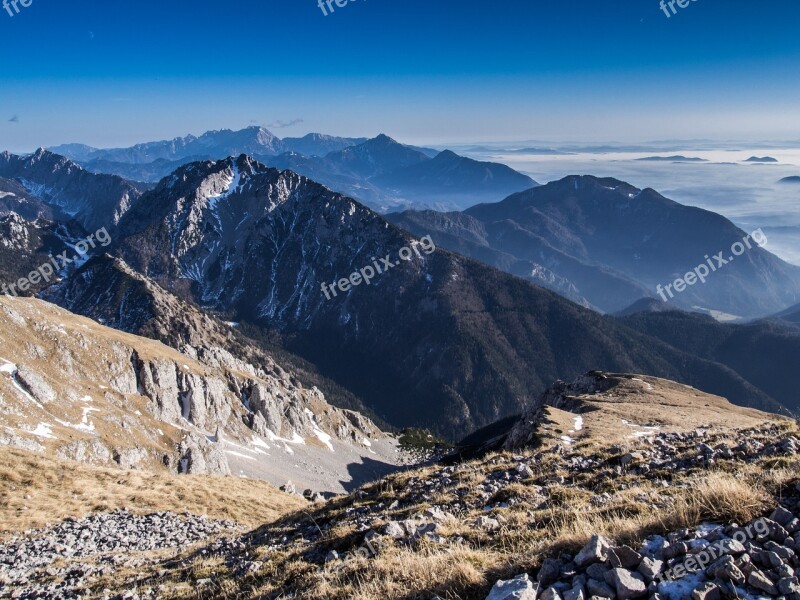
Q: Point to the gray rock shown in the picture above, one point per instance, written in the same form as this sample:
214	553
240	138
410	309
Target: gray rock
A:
288	488
437	514
519	588
706	591
675	550
599	588
550	571
550	593
725	568
650	568
575	593
598	571
758	580
394	529
782	516
628	584
788	585
625	557
487	523
595	551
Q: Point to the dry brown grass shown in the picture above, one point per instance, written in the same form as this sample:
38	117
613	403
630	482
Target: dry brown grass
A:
532	530
36	490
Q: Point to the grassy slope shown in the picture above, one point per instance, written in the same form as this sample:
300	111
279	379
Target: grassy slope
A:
36	491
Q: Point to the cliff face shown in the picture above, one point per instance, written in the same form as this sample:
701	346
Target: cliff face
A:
75	389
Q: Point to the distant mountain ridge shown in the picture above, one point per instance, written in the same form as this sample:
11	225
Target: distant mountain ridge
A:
612	244
251	140
318	144
458	175
763	352
380	171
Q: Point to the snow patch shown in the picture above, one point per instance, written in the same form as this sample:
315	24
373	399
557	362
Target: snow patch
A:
644	430
681	588
324	438
239	454
10	369
43	430
231	185
318	433
296	439
86	424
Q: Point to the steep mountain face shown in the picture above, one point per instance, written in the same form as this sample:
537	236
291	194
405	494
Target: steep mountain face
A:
588	285
763	352
465	180
318	144
29	247
566	226
75	389
15	198
437	339
790	315
95	201
110	292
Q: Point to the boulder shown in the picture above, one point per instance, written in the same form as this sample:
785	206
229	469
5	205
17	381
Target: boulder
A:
628	584
595	551
519	588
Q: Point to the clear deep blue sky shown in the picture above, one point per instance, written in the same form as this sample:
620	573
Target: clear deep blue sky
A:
119	72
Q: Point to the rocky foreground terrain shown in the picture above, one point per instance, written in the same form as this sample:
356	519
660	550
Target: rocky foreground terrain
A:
675	508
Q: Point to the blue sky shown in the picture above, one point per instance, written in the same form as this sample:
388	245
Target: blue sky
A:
423	71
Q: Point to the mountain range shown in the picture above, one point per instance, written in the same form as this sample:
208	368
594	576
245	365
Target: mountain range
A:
606	244
376	171
439	340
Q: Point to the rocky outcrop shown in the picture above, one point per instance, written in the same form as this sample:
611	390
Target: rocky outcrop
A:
199	456
88	393
560	395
